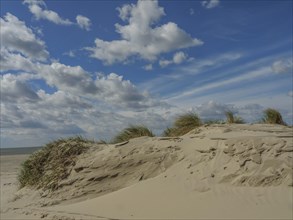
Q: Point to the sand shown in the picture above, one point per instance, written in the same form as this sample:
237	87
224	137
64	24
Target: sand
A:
213	172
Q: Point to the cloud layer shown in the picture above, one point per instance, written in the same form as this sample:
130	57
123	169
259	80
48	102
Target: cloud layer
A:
17	37
140	37
75	101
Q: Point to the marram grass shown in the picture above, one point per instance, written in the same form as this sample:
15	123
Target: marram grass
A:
132	132
231	119
272	116
49	165
183	124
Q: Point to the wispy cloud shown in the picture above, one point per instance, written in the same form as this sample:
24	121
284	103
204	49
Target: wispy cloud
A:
283	66
148	67
38	9
210	3
249	76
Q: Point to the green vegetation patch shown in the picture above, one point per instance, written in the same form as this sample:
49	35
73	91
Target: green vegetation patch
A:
231	119
272	116
48	166
183	124
132	132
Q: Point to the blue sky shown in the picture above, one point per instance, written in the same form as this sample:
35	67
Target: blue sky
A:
95	67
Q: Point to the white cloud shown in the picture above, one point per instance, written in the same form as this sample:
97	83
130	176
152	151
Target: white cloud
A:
164	63
110	88
140	38
283	66
30	118
35	7
14	90
38	9
14	61
212	110
290	93
16	37
216	110
178	58
249	76
210	3
83	22
148	67
73	79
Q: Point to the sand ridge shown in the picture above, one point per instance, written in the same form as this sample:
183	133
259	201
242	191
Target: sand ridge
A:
216	171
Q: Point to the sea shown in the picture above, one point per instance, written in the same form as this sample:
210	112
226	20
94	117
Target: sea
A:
18	151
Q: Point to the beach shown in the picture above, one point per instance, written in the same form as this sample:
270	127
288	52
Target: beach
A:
213	172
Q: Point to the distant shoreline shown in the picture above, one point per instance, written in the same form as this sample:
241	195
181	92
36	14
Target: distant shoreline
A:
18	150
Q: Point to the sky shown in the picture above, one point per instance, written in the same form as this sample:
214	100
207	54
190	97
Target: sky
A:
92	68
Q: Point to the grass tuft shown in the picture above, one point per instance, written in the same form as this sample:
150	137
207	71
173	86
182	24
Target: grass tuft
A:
231	119
183	124
272	116
49	165
132	132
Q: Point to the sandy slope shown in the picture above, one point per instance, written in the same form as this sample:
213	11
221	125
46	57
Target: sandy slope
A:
219	171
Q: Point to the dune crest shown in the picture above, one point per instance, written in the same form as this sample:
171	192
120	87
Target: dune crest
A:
248	167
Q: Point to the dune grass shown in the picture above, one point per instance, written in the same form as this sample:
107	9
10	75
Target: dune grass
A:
183	124
214	121
231	119
46	167
132	131
272	116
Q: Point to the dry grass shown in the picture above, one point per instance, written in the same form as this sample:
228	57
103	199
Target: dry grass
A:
272	116
183	124
48	166
231	119
132	132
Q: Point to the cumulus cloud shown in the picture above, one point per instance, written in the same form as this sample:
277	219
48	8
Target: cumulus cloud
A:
30	115
210	3
16	37
283	66
139	37
14	61
110	88
68	78
178	58
38	9
14	90
83	22
212	110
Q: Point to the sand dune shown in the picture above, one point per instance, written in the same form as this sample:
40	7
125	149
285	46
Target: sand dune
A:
213	172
